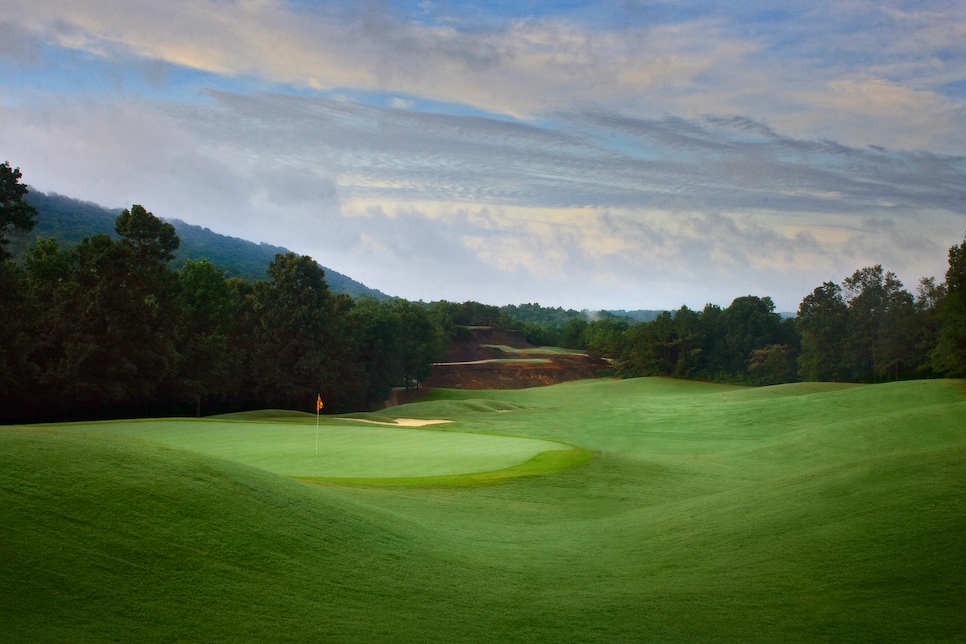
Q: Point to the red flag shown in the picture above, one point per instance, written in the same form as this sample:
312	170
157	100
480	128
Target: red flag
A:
318	404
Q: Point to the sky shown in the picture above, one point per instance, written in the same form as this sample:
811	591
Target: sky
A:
593	155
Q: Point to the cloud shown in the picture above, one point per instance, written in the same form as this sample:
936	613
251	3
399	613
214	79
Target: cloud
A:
520	67
607	156
582	204
582	159
858	111
594	257
859	73
17	44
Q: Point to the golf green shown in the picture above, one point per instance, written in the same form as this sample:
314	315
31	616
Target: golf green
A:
343	449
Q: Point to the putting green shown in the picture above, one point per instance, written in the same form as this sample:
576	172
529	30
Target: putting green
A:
347	449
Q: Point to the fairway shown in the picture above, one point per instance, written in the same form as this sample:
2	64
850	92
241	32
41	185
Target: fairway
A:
805	512
345	449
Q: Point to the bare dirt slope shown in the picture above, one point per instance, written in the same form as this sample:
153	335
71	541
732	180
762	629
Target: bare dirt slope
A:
494	358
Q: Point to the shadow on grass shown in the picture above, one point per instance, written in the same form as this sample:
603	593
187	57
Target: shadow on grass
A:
543	463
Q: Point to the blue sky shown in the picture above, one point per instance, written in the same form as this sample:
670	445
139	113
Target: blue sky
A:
589	155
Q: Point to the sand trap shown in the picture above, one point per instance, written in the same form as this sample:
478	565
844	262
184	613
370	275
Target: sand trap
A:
402	422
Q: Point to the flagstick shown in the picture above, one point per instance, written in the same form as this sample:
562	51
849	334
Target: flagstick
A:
318	413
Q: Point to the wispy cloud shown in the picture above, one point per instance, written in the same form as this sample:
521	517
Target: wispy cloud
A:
526	66
616	154
586	158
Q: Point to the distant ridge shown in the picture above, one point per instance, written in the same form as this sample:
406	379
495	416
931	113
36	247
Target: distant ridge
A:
651	315
641	315
70	220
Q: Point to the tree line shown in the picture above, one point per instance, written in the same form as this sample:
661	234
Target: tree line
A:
869	329
866	329
108	327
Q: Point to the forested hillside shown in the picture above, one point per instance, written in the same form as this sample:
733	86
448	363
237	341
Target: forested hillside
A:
70	220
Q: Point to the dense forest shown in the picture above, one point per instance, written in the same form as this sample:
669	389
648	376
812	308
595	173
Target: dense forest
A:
114	326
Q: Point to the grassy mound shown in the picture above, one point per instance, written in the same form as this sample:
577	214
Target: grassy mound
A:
795	513
110	538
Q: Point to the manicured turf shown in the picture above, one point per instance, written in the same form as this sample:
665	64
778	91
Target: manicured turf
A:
346	449
809	512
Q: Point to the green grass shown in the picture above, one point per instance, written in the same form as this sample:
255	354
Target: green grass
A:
795	513
548	350
346	448
546	462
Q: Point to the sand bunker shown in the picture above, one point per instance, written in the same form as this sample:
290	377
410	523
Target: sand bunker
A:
402	422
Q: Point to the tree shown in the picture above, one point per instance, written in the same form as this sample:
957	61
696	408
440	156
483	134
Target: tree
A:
900	333
604	336
18	313
949	356
713	328
572	336
421	342
881	329
690	343
377	330
538	334
208	366
649	349
107	320
116	317
152	241
49	275
930	298
750	323
822	319
772	365
242	332
15	213
302	343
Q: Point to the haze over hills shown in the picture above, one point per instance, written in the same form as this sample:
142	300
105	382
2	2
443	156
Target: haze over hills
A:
70	220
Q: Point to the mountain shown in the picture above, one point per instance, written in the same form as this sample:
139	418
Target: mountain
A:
70	220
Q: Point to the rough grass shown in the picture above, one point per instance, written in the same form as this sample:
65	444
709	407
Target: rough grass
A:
794	513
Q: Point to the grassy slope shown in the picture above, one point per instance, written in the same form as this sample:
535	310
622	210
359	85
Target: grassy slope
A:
800	512
107	538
